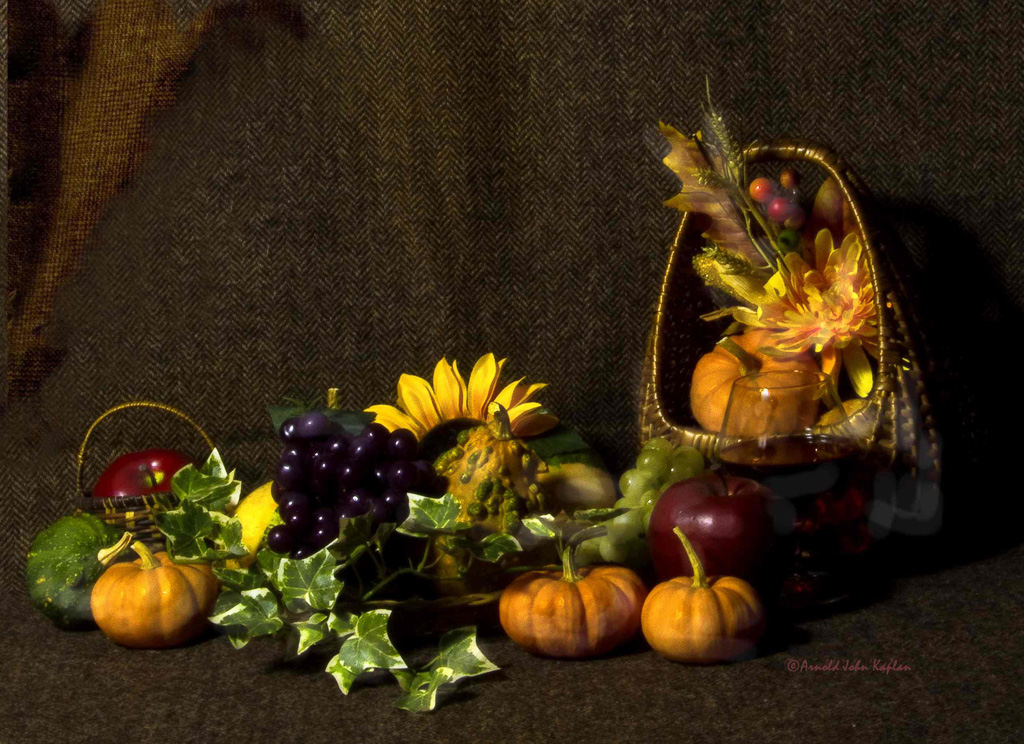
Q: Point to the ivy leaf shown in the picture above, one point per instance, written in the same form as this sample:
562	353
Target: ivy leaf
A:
429	516
268	561
308	584
311	632
196	535
247	614
409	679
423	689
494	547
214	466
210	485
459	657
384	531
240	578
599	515
342	624
539	526
367	649
454	543
460	653
353	539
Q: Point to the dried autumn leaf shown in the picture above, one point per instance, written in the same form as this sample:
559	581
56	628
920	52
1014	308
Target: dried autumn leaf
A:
728	229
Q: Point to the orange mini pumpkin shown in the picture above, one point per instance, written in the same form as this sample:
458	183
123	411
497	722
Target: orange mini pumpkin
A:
573	613
152	602
699	620
717	370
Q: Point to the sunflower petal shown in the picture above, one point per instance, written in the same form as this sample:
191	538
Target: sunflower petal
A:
450	394
528	422
463	391
858	368
417	397
508	393
393	418
525	394
483	384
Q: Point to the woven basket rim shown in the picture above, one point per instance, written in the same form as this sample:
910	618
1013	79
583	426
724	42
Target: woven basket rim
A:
899	373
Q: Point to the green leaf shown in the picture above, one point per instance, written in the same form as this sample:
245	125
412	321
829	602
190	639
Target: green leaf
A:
460	653
454	543
247	614
342	623
558	441
240	578
210	485
458	657
308	584
409	679
352	422
494	547
311	631
423	689
280	414
367	649
384	531
599	515
214	466
539	526
268	561
195	534
431	516
353	539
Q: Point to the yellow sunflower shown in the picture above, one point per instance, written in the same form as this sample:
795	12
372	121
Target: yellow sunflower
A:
421	406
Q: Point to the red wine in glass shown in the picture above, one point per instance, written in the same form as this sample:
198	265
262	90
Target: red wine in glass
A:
815	473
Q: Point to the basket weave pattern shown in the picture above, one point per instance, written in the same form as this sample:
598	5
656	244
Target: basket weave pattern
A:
133	514
896	421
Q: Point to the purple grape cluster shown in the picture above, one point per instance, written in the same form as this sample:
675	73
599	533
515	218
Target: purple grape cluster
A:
325	475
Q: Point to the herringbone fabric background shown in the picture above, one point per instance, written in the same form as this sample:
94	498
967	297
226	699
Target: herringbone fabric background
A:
392	182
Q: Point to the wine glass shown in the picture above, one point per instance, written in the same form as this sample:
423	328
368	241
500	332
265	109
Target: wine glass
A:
774	432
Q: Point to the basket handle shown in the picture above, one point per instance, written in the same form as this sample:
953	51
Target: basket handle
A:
80	460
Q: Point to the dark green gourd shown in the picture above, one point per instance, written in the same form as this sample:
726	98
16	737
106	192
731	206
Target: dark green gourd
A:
62	568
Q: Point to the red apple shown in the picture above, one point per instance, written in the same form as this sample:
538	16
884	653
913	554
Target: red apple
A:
727	519
140	473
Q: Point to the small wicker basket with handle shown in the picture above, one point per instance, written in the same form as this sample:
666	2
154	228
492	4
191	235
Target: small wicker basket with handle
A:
896	420
133	514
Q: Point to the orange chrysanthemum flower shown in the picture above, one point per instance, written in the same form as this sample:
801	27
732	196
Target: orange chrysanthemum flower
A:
828	307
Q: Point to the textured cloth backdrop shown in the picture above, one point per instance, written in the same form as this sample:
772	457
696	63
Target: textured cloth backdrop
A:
401	181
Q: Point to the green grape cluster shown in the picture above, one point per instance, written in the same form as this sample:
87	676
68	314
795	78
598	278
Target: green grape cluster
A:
658	466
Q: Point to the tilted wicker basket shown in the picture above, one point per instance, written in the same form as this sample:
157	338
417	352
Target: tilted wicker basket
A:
131	513
896	422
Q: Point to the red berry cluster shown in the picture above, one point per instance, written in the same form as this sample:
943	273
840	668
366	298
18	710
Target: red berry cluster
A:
780	199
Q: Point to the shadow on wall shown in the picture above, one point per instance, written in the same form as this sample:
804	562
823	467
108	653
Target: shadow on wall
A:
965	319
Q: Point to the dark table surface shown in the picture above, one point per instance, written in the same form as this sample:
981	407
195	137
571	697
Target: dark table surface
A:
958	630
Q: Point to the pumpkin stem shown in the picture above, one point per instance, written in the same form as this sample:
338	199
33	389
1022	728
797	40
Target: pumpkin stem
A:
106	556
748	362
569	572
333	399
500	425
700	579
148	559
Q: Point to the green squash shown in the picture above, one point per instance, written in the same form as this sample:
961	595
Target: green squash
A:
62	567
